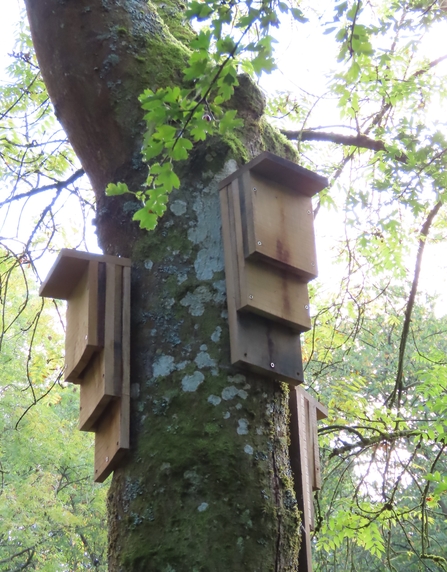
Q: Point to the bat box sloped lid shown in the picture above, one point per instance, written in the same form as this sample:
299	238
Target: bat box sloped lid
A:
68	270
281	171
80	278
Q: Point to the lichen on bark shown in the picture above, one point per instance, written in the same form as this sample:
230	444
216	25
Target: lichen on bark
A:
207	485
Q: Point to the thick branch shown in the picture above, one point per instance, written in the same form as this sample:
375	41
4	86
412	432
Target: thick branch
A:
361	141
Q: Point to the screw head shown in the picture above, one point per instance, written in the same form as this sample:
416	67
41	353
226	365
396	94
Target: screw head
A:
308	212
259	243
107	459
255	189
312	263
251	297
306	307
272	365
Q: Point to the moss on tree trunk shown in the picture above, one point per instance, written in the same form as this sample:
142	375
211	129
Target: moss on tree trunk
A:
207	485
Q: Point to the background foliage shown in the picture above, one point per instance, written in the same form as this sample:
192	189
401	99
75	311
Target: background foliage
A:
377	352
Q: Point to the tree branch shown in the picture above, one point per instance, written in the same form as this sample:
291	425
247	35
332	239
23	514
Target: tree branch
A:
361	141
58	186
364	443
396	394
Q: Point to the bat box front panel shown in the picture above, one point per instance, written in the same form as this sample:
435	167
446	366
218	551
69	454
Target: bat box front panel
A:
277	225
276	294
112	438
85	320
94	395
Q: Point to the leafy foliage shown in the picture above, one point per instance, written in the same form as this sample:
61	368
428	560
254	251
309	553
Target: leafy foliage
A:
52	514
178	117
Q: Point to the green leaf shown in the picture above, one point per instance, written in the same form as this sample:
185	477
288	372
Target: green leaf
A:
148	220
113	190
180	149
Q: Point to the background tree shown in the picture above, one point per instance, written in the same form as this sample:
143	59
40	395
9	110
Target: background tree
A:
210	459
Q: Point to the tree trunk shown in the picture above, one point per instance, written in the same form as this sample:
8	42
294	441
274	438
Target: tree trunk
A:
207	485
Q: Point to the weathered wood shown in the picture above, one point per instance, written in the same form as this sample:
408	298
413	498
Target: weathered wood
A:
305	411
94	396
112	431
275	294
277	225
85	312
299	464
282	171
257	343
102	379
68	269
108	450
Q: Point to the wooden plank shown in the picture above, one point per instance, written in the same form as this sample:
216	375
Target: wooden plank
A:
108	450
112	432
84	330
94	397
101	380
257	344
278	225
298	461
275	294
321	410
281	171
125	393
316	411
68	270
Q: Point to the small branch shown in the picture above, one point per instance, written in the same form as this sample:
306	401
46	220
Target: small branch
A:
396	394
364	443
58	186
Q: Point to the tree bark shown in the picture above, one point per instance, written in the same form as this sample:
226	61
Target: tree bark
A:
207	485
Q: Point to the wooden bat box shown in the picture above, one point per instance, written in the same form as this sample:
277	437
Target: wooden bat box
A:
97	345
270	256
305	411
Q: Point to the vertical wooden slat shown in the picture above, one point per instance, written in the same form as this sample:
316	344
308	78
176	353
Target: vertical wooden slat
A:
299	462
101	382
83	336
112	430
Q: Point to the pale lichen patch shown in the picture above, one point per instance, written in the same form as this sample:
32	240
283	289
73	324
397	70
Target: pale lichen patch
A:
196	300
242	428
229	392
190	383
202	507
215	336
164	365
178	207
214	400
203	359
248	449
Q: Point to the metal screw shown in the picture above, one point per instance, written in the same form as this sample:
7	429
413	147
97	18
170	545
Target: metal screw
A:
272	365
255	189
308	212
259	243
312	263
85	338
306	307
107	459
251	297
